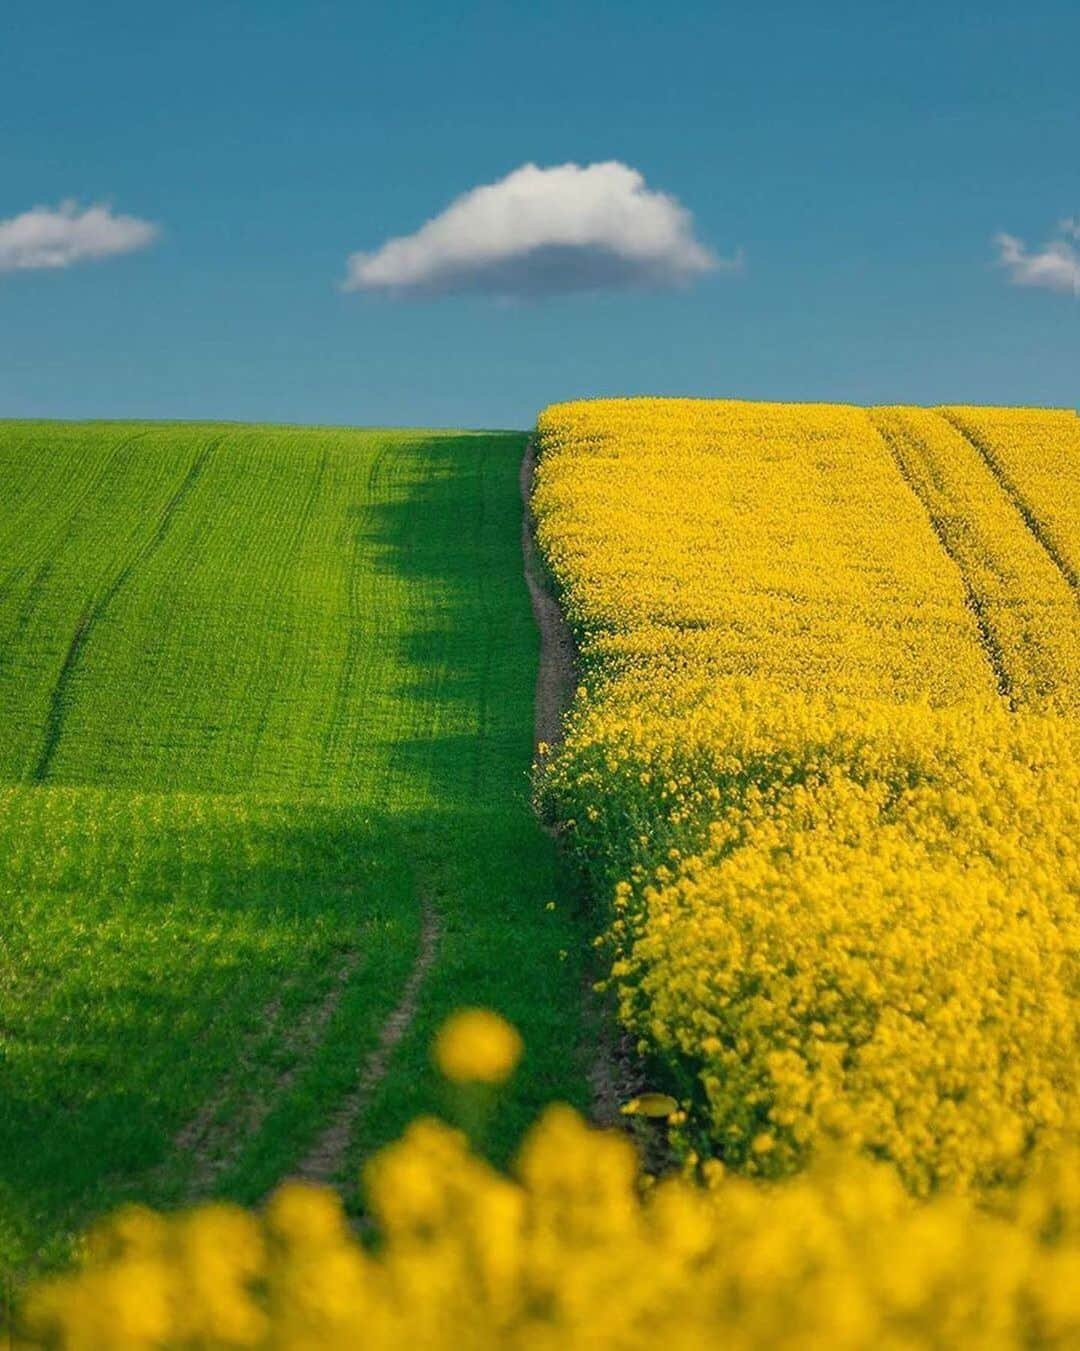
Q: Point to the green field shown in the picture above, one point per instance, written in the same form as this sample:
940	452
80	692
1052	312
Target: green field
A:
265	704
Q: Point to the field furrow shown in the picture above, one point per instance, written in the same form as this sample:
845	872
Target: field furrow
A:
1026	611
1035	455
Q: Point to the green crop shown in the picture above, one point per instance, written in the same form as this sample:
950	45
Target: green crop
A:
265	695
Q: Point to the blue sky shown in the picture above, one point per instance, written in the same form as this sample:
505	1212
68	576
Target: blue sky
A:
862	157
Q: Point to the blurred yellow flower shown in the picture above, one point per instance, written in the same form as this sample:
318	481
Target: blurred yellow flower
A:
477	1046
578	1250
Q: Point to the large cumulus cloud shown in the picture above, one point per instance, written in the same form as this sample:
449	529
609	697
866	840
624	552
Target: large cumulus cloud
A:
540	232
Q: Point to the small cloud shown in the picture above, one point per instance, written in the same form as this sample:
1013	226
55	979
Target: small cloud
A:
1056	267
59	236
1070	226
543	232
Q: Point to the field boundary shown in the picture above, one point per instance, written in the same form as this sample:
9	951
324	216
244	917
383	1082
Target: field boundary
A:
557	671
612	1067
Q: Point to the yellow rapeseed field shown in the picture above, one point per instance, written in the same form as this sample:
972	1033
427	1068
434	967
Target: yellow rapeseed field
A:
823	766
751	539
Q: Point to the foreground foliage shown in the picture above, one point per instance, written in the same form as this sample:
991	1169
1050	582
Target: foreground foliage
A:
575	1250
829	788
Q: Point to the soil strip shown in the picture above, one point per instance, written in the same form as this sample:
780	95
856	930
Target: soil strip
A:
613	1068
557	675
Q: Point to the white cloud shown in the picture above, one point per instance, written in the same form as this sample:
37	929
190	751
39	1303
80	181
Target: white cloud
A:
59	236
541	231
1070	226
1056	267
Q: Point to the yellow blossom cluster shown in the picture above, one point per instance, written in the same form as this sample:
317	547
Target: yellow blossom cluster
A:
848	921
575	1252
844	870
477	1046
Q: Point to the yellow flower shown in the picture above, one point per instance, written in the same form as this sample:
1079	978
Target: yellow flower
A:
477	1046
578	1249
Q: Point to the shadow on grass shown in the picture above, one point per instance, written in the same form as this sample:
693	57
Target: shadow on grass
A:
147	939
155	940
468	651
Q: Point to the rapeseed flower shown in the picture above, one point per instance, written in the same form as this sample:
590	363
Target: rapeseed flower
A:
574	1251
477	1046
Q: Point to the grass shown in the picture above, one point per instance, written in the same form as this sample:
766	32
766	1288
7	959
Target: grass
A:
263	692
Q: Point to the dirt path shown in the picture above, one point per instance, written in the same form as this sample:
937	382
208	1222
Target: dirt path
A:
326	1157
613	1069
556	678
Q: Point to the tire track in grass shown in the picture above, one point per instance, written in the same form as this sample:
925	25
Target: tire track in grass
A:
54	534
276	580
213	1141
221	1142
59	698
326	1157
1017	498
357	657
198	1138
59	530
